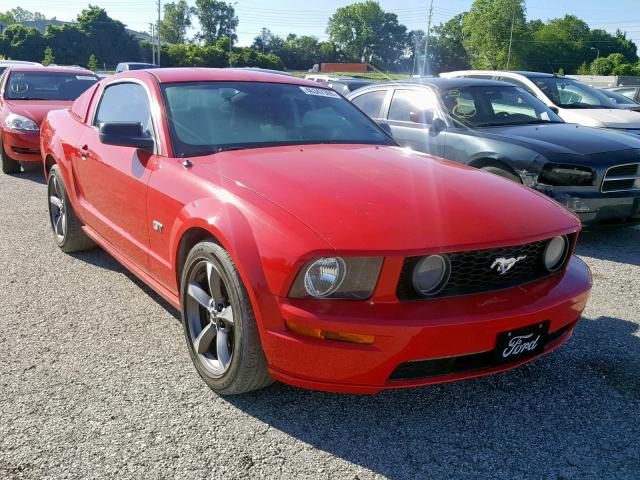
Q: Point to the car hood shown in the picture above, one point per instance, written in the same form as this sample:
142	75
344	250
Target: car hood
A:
561	138
369	198
602	117
36	109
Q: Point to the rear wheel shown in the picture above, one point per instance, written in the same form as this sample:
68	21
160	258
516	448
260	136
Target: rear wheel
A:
67	228
9	165
219	324
502	173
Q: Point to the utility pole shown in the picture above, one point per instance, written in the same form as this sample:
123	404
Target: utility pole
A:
425	64
158	29
153	43
513	19
416	44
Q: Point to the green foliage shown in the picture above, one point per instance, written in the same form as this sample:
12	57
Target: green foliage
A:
21	15
7	17
176	20
49	58
217	20
614	64
72	45
250	57
23	43
92	64
107	37
366	33
487	28
447	46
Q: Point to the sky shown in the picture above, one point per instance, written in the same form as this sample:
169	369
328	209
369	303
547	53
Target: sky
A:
289	16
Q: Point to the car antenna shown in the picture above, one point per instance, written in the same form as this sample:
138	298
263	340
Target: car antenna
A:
186	163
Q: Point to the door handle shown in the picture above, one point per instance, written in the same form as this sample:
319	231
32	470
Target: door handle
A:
84	151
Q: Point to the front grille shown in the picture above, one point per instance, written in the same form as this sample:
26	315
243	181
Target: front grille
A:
26	151
462	364
472	271
622	178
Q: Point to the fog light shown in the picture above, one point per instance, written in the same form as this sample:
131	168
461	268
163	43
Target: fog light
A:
555	253
431	274
329	335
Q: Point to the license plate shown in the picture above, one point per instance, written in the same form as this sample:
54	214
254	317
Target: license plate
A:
521	343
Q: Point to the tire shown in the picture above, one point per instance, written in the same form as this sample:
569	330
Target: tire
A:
9	165
65	225
227	353
502	173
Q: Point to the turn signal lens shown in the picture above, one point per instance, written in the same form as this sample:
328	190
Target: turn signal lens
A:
329	335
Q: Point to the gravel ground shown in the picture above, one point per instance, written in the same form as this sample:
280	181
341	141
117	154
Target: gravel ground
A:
96	381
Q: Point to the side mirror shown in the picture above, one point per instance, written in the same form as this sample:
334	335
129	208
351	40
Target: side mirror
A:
438	125
125	134
423	117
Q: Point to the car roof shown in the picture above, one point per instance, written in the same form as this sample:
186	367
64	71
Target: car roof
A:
524	73
19	62
442	83
171	75
33	68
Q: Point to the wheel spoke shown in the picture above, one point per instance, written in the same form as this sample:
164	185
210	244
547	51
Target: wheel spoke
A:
224	355
58	226
226	315
202	344
199	295
55	201
215	283
56	187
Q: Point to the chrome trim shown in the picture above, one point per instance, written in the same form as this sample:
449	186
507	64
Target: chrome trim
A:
636	177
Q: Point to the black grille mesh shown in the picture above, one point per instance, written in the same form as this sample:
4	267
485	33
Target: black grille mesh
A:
471	271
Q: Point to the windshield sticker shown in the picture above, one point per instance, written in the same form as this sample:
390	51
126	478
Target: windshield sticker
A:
320	92
84	77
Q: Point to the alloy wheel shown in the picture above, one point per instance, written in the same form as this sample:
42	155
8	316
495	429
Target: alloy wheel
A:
210	317
57	209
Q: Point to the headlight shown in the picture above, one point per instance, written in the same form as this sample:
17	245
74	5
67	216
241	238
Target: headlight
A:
431	274
566	176
555	253
18	122
337	277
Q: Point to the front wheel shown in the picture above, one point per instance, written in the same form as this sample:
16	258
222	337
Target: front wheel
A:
501	172
219	324
9	165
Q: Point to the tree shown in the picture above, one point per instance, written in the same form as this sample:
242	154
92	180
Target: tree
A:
107	37
447	51
176	20
48	57
560	43
487	29
20	15
217	20
602	44
72	45
7	17
614	64
23	43
367	33
267	42
92	64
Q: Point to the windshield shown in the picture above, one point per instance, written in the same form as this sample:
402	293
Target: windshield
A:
489	106
568	93
141	66
47	85
619	98
209	117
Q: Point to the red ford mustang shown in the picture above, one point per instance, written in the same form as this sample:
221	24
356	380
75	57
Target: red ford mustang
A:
299	242
26	95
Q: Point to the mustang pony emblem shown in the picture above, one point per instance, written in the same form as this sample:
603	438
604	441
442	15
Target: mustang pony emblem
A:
503	265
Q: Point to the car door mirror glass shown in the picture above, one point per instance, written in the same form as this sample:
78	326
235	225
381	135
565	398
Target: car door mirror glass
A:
438	125
126	134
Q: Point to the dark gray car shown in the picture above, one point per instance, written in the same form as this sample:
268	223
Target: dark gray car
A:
505	130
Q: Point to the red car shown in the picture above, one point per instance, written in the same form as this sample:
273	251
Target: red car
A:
300	243
27	94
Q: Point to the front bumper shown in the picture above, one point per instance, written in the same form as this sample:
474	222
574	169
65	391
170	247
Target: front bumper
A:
22	146
601	209
415	331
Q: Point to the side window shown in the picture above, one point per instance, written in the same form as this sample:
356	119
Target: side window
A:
510	102
480	76
125	102
371	102
627	92
412	106
517	83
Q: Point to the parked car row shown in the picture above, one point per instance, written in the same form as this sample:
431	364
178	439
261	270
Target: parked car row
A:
299	240
505	128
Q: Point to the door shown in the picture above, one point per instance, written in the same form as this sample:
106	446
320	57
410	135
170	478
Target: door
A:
113	179
411	115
